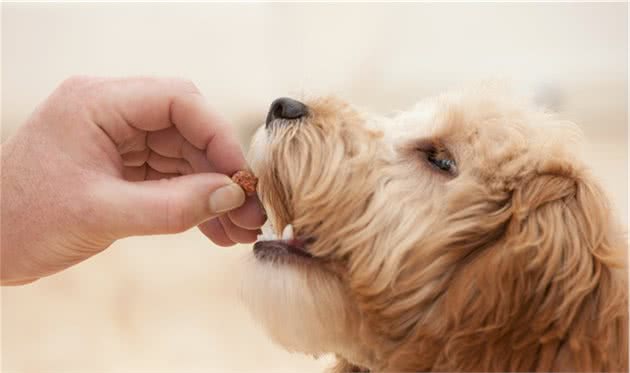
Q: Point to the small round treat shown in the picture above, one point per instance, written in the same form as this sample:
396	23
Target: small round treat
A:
246	180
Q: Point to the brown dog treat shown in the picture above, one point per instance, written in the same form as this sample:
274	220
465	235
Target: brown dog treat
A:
246	180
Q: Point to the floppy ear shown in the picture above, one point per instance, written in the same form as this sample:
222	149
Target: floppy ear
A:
552	287
530	278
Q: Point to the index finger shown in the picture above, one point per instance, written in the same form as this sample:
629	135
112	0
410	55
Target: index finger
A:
207	131
151	104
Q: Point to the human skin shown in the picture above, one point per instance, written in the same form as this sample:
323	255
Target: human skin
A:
103	159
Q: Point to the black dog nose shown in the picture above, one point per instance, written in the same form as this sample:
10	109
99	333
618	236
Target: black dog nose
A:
285	108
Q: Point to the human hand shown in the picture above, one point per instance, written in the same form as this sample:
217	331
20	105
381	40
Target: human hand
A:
103	159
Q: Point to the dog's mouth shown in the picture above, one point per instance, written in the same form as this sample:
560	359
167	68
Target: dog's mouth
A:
270	246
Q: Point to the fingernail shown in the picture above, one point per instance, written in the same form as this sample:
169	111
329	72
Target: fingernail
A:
226	198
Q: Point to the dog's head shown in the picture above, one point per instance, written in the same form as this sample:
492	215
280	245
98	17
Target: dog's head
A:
462	234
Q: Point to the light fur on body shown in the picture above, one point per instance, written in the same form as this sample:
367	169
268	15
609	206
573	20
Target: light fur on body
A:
513	263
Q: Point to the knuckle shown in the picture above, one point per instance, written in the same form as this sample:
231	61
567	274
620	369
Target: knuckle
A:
67	101
75	90
75	82
187	86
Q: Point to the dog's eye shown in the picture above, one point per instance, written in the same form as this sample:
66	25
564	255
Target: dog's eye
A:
441	159
443	164
436	155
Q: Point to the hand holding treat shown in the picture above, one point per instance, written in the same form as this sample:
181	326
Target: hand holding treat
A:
103	159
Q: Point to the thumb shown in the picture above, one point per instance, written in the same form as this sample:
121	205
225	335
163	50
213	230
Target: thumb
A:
171	205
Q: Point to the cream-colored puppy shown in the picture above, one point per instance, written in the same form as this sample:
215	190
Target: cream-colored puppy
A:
461	235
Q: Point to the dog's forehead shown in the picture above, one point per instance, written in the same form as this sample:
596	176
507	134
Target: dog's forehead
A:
427	120
402	126
473	129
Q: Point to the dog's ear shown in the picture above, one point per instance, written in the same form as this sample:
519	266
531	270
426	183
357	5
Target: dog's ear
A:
549	286
526	279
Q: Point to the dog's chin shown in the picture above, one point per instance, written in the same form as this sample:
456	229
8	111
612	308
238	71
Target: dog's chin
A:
295	296
301	306
299	298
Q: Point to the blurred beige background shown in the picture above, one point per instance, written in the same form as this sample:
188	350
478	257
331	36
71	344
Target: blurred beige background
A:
169	303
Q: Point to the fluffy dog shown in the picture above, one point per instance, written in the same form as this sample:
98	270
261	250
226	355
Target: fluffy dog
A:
463	235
